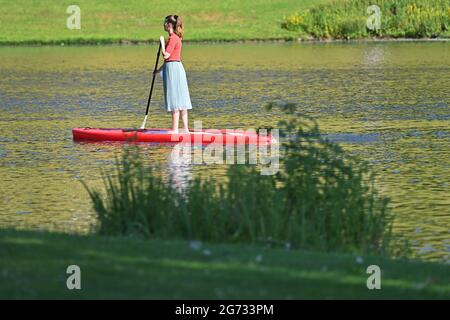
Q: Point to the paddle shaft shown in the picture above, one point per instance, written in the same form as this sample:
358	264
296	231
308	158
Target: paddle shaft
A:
153	80
151	88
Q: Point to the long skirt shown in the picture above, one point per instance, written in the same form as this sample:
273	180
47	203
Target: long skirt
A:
176	91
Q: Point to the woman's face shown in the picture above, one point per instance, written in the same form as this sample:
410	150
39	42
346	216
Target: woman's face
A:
166	26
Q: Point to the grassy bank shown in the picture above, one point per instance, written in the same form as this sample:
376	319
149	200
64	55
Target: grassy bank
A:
347	19
44	22
33	265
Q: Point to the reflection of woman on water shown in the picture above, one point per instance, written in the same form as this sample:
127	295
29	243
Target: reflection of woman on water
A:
176	92
179	165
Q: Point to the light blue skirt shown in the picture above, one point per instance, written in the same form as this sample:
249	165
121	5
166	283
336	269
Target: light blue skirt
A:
176	91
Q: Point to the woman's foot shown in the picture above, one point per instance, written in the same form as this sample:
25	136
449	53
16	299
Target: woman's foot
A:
173	132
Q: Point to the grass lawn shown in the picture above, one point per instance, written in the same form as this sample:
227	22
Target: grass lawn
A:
44	21
33	265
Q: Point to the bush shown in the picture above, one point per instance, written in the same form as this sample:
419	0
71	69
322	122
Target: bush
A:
347	19
321	199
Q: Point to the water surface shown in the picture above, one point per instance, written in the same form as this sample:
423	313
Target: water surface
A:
387	102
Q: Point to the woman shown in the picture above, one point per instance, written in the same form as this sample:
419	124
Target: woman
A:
176	91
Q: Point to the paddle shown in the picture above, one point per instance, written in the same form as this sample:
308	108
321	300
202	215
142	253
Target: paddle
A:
151	88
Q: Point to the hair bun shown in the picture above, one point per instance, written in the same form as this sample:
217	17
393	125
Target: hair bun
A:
175	16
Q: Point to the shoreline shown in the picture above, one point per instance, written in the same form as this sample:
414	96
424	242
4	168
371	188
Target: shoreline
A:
124	42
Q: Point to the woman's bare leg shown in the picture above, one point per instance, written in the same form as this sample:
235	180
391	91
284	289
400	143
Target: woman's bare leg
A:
184	117
175	120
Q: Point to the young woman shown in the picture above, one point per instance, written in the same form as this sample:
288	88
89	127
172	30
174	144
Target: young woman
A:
176	91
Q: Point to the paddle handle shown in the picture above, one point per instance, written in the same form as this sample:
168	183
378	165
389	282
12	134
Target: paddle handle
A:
151	88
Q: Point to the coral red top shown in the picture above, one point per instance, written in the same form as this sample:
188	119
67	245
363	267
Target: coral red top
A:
173	46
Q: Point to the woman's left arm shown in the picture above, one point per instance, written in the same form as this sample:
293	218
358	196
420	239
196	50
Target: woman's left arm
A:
159	69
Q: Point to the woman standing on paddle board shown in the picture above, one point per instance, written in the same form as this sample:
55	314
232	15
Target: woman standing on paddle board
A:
176	91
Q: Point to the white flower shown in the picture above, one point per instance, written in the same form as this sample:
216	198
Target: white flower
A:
195	245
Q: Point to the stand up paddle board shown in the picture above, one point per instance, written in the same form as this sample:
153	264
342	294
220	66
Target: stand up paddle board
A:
206	136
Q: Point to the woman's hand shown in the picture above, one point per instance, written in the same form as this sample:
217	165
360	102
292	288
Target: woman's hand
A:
166	55
163	44
158	70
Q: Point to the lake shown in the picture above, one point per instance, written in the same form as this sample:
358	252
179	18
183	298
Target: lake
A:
387	102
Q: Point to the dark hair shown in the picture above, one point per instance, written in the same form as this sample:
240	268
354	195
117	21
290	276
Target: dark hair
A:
176	23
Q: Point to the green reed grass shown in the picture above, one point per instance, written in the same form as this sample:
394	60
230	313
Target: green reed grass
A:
322	198
347	19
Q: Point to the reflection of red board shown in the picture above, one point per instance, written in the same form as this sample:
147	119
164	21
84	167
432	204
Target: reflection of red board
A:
161	135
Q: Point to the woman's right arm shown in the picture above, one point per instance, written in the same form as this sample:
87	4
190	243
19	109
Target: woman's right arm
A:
165	51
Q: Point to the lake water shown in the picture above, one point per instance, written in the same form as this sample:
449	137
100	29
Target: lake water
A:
387	102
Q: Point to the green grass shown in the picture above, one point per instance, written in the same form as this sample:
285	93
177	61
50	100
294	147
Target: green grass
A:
33	265
346	19
44	21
